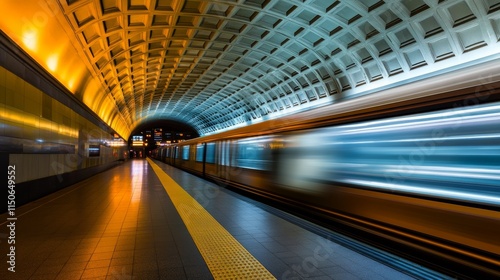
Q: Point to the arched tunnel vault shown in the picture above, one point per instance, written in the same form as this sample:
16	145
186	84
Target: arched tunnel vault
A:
221	64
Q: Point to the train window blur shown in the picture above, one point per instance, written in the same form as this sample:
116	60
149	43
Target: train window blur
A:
176	152
224	153
210	153
185	152
452	154
167	152
199	152
254	153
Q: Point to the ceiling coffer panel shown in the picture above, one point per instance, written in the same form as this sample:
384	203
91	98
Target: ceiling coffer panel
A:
219	64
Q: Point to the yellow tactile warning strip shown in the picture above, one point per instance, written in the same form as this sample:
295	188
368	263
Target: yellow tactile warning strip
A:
224	255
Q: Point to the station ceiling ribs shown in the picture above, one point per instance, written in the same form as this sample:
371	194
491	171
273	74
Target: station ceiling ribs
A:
221	64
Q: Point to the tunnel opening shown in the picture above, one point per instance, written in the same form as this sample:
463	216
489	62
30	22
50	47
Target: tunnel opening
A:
157	133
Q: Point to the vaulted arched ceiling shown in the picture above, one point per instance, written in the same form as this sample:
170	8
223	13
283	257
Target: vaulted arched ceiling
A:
220	64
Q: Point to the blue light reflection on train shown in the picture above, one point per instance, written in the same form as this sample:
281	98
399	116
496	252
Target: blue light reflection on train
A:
452	154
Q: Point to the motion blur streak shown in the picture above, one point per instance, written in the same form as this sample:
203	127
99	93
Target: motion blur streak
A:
436	192
453	155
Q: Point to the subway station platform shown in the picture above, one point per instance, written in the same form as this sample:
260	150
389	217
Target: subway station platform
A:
147	220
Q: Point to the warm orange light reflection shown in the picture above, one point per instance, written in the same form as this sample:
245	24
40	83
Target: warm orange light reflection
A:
30	39
52	63
24	118
71	85
38	28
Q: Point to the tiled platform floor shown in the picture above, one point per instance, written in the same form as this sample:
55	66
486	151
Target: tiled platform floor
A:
121	224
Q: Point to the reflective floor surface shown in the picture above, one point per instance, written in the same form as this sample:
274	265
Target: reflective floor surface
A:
122	224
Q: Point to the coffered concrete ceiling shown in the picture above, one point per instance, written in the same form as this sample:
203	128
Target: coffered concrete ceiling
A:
220	64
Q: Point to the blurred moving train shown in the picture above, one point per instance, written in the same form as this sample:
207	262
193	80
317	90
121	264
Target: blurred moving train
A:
419	175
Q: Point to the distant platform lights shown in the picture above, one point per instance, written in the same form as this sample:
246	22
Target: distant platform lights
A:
117	141
137	141
159	137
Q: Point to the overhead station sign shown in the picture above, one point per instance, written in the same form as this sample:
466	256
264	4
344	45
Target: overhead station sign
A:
158	135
